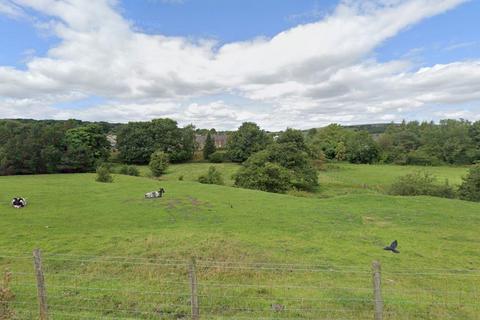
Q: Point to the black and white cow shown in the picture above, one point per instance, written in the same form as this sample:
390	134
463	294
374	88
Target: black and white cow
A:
155	194
19	202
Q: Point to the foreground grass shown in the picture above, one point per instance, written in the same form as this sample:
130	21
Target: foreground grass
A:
328	245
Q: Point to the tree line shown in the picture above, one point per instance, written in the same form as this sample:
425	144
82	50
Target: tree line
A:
452	142
30	147
36	147
285	161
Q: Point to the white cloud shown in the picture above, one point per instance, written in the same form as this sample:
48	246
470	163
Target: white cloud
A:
10	9
308	75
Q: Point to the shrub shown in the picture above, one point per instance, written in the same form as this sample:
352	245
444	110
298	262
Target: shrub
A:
129	170
180	178
470	187
103	175
158	163
217	157
421	183
270	177
421	158
213	176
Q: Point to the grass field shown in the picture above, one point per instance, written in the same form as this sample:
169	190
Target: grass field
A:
337	179
109	253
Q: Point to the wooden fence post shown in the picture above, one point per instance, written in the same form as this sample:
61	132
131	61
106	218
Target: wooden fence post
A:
193	287
41	292
377	290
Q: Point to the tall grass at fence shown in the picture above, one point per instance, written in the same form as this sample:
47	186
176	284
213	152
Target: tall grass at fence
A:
104	287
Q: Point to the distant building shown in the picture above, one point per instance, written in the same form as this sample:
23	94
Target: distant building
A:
219	139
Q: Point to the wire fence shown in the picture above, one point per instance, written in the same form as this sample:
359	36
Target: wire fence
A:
108	287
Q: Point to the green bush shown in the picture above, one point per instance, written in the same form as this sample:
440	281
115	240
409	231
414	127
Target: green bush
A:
284	165
129	170
270	177
180	178
421	158
217	157
421	183
158	163
213	176
103	175
470	187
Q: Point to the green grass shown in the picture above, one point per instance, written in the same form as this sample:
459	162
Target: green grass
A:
346	178
338	179
81	224
191	171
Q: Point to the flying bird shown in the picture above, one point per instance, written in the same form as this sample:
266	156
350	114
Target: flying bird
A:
392	247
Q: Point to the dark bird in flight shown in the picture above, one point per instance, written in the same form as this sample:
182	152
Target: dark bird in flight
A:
392	247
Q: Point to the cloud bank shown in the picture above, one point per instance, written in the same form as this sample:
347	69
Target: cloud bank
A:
306	76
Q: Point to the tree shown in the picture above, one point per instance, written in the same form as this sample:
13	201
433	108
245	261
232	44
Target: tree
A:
427	143
361	148
247	140
280	167
85	146
303	174
294	137
470	187
30	146
185	148
209	147
136	141
340	151
270	177
158	163
325	140
91	137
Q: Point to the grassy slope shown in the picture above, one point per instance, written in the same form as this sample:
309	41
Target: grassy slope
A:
338	179
74	214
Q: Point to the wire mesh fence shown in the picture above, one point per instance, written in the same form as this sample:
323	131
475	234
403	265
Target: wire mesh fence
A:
107	287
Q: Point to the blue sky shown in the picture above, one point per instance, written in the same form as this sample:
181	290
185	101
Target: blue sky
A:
441	39
219	86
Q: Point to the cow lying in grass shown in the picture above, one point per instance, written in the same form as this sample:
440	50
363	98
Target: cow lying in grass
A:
155	194
19	202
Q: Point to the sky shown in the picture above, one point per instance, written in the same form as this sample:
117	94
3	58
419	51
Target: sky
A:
217	63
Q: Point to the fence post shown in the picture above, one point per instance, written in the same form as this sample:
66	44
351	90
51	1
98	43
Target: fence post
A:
41	292
193	287
377	290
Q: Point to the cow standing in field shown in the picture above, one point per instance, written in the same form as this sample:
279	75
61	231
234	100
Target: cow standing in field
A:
155	194
19	203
